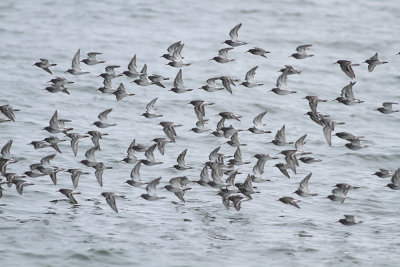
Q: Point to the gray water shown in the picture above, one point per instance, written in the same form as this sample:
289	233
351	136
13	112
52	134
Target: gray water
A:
41	228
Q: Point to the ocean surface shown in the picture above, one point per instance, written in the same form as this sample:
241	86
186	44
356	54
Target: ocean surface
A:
41	228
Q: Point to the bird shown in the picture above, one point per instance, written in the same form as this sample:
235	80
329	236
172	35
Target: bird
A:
346	67
200	127
175	186
53	141
250	82
234	41
181	162
347	95
383	173
151	111
395	181
302	52
75	174
237	201
143	78
157	79
387	108
199	108
110	72
313	102
19	185
69	194
289	201
347	136
211	85
110	198
90	160
96	136
169	129
75	140
349	220
107	87
76	65
121	93
247	188
309	160
373	62
59	81
177	59
45	65
149	154
283	169
258	51
329	126
8	111
237	158
179	87
355	144
132	71
92	59
229	116
280	137
258	127
161	142
151	189
136	180
102	123
223	56
171	49
281	82
339	194
100	168
57	89
57	125
303	190
204	177
235	141
258	168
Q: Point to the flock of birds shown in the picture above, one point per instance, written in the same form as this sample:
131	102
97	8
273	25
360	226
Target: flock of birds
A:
220	165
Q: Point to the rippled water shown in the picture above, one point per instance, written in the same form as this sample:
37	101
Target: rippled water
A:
38	231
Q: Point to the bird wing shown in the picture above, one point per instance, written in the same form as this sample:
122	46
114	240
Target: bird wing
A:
224	52
250	74
150	105
234	32
181	158
76	64
257	120
46	160
204	176
281	135
300	142
93	55
328	134
178	82
176	56
90	153
149	154
171	49
135	175
5	151
304	183
132	65
54	121
103	115
151	187
302	49
238	155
